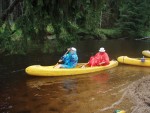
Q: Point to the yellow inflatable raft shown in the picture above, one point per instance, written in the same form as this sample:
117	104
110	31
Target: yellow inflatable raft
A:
146	53
134	61
38	70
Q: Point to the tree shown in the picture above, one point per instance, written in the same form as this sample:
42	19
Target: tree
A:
134	17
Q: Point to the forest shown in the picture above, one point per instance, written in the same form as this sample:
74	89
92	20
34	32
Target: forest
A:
51	25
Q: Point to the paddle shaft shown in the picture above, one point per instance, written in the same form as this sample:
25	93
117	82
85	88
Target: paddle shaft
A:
84	65
60	58
87	64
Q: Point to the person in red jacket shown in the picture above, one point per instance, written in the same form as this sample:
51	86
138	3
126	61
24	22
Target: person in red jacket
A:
100	59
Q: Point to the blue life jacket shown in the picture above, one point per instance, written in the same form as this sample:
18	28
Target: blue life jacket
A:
70	59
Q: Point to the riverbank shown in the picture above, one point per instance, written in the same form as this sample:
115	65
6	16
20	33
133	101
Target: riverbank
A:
139	93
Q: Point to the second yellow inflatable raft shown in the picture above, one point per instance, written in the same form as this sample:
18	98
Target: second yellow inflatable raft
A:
134	61
146	53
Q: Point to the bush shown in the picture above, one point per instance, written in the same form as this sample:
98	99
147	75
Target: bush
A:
107	33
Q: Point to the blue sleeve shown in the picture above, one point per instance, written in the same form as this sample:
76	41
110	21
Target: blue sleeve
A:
65	58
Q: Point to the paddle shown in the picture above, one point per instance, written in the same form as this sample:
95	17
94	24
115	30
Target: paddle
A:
83	66
60	58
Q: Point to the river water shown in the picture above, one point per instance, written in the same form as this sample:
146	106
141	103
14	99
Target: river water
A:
101	92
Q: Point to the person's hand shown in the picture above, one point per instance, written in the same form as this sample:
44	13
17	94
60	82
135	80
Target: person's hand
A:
101	63
60	61
69	49
83	66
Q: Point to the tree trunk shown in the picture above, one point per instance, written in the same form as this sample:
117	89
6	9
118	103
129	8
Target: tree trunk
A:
0	8
101	17
10	18
9	9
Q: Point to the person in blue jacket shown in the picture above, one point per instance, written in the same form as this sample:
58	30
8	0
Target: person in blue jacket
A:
69	60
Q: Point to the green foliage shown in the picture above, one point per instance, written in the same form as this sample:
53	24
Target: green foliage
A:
50	29
107	33
10	39
65	40
92	20
68	19
146	33
134	17
49	47
5	38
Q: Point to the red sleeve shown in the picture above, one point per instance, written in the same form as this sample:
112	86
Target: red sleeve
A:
105	59
97	56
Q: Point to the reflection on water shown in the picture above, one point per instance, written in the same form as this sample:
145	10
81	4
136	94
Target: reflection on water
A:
101	78
100	92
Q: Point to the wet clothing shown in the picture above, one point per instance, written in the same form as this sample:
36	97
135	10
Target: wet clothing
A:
70	60
99	58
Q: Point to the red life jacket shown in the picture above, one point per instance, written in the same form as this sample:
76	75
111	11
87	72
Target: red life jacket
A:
98	58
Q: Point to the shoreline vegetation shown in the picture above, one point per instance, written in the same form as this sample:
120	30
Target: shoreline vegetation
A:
40	22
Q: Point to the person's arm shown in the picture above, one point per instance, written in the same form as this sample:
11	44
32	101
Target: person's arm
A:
101	63
62	58
105	60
